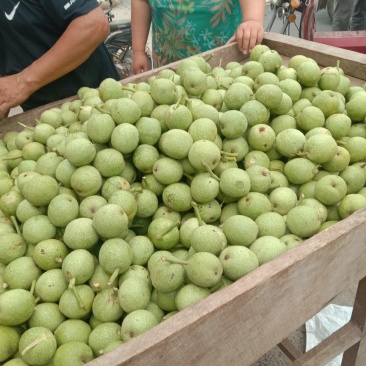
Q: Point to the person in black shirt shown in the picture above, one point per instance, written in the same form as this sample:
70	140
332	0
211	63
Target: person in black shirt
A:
49	49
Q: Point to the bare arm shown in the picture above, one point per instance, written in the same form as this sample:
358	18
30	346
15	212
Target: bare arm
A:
250	32
140	22
253	10
79	40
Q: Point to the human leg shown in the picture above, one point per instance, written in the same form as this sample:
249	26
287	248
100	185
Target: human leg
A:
358	21
342	15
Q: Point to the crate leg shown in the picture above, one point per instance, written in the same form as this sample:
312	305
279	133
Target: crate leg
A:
356	355
289	349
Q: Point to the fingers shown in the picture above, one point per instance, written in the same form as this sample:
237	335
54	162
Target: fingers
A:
139	63
255	38
3	113
248	35
4	109
243	39
13	92
141	69
260	36
138	69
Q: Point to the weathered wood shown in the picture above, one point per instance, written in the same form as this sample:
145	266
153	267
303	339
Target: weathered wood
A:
242	322
331	347
352	63
289	349
356	355
28	118
222	55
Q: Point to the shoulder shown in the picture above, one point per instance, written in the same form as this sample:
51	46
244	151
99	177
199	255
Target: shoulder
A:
68	7
67	10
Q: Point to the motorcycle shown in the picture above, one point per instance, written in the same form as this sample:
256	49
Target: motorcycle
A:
286	10
119	43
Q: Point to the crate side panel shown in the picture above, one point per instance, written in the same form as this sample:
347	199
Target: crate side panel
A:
240	323
353	64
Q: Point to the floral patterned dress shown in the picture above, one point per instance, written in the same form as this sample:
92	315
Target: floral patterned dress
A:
185	28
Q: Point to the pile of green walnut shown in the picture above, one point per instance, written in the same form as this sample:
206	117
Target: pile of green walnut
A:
130	203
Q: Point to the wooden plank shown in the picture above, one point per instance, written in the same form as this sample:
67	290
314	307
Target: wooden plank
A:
331	347
352	63
29	118
356	355
221	55
354	81
240	323
289	349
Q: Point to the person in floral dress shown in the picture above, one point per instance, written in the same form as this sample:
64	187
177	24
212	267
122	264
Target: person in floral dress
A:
185	28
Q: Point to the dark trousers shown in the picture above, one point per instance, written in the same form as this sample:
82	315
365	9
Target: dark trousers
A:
342	14
358	21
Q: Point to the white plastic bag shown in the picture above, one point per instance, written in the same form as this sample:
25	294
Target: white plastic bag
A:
323	324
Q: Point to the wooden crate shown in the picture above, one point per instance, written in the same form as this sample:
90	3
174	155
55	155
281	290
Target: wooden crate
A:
245	320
